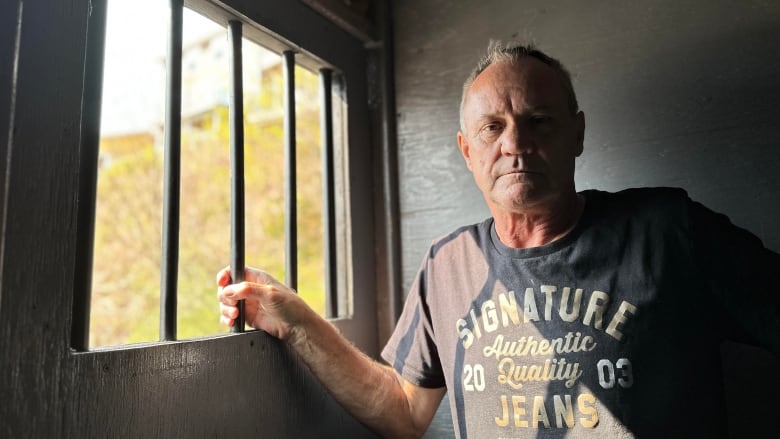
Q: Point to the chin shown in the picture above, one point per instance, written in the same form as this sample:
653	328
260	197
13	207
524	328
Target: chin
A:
519	200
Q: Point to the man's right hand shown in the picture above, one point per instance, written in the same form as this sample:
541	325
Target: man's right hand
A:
269	304
375	394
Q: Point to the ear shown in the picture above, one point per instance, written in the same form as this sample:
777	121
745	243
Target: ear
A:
580	126
463	145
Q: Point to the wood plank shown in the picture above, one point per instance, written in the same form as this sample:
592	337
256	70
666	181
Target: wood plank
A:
39	239
236	385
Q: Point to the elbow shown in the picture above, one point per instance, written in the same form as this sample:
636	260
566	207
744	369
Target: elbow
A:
401	429
408	429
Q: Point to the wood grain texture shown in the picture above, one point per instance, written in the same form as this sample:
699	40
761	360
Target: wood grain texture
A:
9	19
233	386
38	240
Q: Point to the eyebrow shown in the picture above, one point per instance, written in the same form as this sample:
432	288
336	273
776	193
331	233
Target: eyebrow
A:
485	116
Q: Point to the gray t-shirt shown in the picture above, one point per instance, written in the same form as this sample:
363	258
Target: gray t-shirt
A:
612	331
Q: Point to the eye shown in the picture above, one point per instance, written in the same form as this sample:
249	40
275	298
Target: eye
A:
540	119
491	127
490	131
541	123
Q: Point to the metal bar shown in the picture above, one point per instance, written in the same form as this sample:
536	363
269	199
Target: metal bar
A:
172	177
88	167
290	190
237	239
329	194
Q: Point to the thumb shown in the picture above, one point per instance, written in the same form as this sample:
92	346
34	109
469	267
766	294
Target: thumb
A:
238	291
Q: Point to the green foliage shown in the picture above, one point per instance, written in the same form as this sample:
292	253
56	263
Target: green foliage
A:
126	273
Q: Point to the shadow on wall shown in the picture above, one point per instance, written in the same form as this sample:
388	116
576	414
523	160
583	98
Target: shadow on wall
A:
699	114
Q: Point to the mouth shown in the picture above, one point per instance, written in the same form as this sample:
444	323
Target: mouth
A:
518	172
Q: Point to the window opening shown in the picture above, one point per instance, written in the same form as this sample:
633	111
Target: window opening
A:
125	296
140	293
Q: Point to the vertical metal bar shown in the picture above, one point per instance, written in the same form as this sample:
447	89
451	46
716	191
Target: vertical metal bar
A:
328	193
290	190
88	167
172	177
236	166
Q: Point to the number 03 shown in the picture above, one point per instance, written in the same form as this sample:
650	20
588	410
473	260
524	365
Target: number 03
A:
608	372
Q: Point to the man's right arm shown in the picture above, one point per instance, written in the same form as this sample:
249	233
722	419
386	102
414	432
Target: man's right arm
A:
373	393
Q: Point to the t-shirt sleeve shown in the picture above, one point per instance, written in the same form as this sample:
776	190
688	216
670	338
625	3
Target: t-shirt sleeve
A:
743	277
411	350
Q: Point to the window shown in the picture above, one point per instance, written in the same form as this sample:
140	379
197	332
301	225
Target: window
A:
126	269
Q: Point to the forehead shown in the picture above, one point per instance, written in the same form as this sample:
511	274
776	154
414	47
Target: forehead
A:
526	83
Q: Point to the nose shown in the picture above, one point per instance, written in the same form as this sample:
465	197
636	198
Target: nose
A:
516	141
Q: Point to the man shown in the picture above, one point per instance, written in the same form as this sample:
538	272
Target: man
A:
564	314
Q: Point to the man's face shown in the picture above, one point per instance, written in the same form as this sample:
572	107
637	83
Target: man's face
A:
520	138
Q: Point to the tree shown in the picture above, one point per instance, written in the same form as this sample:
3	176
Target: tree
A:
125	305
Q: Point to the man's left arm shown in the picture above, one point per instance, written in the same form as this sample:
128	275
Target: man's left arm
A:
743	275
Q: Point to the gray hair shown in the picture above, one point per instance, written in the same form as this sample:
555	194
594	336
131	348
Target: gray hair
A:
499	51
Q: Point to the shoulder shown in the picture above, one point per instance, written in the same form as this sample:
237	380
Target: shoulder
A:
638	196
473	234
652	202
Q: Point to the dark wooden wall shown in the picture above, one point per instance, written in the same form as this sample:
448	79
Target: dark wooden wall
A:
675	93
240	385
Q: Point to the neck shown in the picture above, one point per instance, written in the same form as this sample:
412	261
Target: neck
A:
540	226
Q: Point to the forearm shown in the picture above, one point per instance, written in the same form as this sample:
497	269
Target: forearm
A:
368	390
372	393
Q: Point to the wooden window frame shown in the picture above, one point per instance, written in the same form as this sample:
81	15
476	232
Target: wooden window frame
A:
221	386
280	26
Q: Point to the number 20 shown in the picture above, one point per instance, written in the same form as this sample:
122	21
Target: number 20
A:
477	373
